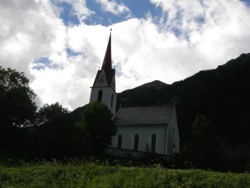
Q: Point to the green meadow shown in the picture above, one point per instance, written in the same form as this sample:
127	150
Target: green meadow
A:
79	173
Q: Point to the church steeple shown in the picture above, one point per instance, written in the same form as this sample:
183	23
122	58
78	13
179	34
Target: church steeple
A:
103	89
106	75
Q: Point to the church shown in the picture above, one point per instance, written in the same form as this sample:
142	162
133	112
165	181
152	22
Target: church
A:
139	129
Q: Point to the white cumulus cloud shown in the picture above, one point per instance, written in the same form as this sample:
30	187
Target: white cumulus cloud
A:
80	8
113	7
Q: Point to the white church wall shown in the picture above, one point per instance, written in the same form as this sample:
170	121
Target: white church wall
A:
145	137
106	97
173	135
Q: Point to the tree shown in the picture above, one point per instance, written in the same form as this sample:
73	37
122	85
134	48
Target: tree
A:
17	107
97	119
49	113
204	145
59	134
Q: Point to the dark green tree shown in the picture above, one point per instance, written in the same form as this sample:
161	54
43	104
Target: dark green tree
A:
17	107
58	133
97	119
204	145
50	113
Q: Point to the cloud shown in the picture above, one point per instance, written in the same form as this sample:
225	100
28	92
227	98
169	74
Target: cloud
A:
213	28
187	17
79	8
113	7
61	60
26	32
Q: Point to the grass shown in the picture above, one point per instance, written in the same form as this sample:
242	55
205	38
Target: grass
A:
79	173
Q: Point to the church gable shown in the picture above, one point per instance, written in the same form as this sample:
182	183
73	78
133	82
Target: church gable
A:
100	79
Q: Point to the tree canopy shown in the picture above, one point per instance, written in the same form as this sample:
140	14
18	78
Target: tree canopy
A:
49	113
97	119
17	106
58	134
204	145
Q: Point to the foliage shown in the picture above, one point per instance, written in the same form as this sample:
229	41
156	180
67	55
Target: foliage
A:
58	134
97	119
238	157
17	107
204	146
50	113
87	174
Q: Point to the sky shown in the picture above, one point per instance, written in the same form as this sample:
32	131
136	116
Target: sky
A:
60	44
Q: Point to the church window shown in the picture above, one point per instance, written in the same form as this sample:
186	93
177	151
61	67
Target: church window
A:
136	142
102	79
99	99
153	143
112	96
119	143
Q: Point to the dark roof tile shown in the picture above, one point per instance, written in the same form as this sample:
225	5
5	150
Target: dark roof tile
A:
146	115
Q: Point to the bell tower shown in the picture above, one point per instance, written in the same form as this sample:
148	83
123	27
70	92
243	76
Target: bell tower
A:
103	89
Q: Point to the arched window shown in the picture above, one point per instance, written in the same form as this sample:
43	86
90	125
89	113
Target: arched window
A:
112	96
136	142
119	143
99	98
153	143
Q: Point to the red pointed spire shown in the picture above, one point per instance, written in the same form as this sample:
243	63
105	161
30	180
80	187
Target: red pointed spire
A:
107	62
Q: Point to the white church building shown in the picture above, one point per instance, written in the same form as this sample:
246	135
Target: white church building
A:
139	129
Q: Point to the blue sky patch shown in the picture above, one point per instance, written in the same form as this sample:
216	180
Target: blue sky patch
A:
138	9
71	53
67	14
102	17
42	63
247	2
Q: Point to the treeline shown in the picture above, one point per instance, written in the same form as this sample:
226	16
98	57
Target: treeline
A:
221	95
51	131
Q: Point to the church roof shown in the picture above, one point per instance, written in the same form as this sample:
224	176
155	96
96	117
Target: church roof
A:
146	115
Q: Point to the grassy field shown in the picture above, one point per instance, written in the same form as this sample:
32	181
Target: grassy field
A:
77	173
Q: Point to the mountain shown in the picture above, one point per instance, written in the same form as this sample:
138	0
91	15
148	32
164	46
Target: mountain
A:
144	95
221	94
